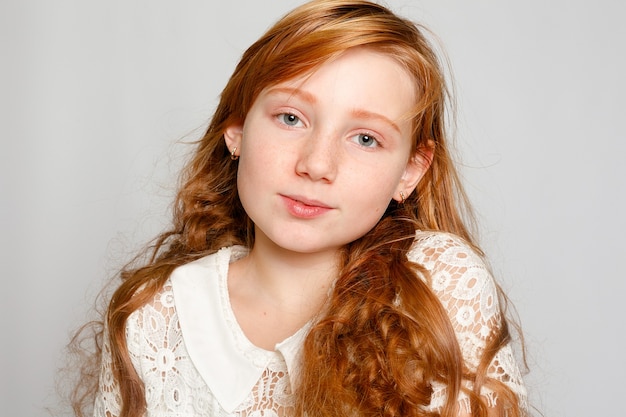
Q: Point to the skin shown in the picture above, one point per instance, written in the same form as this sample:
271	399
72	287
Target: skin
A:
321	157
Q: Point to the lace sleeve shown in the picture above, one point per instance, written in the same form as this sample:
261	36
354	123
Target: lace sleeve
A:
107	403
466	289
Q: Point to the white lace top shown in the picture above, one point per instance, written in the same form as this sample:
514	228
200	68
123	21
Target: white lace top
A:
195	360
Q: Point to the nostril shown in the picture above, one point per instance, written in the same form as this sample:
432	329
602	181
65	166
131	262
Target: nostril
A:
317	163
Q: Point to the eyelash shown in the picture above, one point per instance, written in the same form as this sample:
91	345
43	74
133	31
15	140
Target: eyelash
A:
292	120
282	118
374	140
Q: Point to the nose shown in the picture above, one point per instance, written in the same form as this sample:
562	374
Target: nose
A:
318	157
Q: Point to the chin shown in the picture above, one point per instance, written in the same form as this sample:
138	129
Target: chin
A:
301	243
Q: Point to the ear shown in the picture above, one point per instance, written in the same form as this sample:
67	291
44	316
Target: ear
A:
415	169
232	136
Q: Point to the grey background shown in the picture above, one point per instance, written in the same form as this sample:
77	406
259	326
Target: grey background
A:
96	95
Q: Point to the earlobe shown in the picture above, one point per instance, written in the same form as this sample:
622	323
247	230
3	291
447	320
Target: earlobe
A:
232	136
415	169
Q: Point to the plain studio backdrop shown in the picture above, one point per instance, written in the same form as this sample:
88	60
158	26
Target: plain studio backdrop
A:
97	98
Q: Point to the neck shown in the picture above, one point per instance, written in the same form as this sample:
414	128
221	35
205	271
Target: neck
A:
274	292
292	281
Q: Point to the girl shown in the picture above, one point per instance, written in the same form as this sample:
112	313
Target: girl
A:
318	263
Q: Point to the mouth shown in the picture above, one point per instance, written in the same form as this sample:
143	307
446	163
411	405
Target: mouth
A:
303	207
306	201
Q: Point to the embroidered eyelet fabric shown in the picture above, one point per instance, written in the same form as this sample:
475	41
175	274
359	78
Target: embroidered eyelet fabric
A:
195	360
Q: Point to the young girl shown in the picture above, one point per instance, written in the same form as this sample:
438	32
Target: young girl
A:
318	263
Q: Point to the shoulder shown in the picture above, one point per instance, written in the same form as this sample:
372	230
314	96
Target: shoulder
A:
200	267
459	276
196	277
452	264
187	278
190	287
432	247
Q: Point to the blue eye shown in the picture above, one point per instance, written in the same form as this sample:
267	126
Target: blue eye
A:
289	119
365	140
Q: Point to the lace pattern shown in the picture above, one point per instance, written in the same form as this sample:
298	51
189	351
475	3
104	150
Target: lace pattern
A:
465	287
174	387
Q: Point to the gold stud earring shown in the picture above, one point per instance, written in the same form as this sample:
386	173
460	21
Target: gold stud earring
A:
402	197
232	154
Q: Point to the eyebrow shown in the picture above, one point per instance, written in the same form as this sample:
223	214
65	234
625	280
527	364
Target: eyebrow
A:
356	113
306	96
368	115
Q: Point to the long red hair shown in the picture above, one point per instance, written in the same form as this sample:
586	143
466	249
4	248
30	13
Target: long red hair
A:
379	356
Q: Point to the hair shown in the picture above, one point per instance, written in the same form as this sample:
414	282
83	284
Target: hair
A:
380	356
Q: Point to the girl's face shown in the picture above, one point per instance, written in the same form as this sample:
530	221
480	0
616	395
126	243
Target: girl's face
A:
321	156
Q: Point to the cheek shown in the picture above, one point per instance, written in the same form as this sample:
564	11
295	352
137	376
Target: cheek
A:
260	167
374	186
252	175
370	196
249	187
365	215
259	145
260	164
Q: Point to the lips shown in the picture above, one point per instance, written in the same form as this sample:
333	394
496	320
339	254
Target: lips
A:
303	207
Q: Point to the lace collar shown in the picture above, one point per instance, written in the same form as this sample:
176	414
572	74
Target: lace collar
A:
227	361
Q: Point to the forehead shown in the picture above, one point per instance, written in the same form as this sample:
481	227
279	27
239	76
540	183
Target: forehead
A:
358	74
368	58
